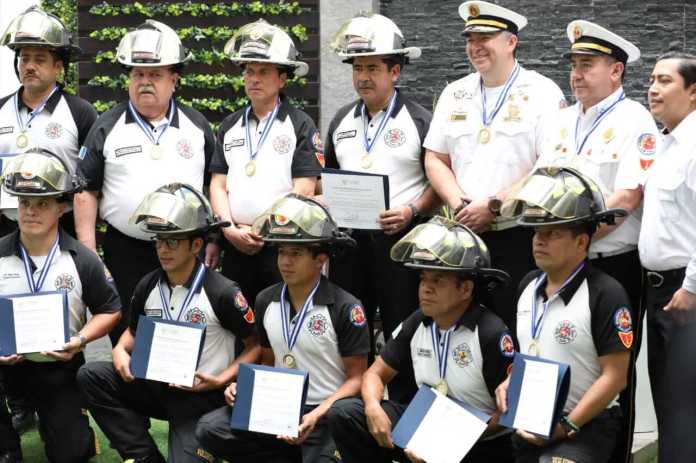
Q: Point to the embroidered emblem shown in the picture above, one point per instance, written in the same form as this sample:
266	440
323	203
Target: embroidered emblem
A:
462	355
565	332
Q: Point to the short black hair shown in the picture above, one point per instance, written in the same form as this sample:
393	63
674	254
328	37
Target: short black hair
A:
686	67
584	228
393	60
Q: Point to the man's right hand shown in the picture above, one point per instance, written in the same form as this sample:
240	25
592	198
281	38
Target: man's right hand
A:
243	239
379	425
122	363
231	394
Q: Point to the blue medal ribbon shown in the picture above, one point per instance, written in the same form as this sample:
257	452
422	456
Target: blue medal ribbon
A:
145	127
441	348
501	98
197	282
536	324
34	113
264	133
35	286
595	124
382	124
291	337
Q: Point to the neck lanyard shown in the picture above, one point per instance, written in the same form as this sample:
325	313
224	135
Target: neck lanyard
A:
536	324
595	124
382	124
35	286
197	281
501	98
291	336
441	348
264	133
146	128
34	113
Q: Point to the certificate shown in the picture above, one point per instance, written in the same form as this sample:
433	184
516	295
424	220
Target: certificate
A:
33	323
438	428
7	201
167	350
537	394
355	199
269	400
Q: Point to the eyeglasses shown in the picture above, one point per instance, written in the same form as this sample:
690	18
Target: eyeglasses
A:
171	243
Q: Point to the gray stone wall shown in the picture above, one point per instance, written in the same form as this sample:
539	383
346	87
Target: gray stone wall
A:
435	25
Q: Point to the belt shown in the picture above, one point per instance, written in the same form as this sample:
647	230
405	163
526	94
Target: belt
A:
602	255
658	278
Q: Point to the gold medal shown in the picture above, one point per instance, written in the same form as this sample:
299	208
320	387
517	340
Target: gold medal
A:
484	136
156	152
534	349
250	168
22	140
289	361
442	387
366	161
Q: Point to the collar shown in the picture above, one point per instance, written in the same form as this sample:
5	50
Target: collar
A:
569	290
683	133
601	106
323	296
469	319
400	100
282	112
50	104
175	117
10	245
165	280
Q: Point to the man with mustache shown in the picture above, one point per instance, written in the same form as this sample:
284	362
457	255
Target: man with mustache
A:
39	113
486	135
136	147
381	133
265	150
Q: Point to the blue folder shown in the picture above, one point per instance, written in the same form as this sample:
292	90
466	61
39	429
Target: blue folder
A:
415	412
245	389
140	356
513	394
8	342
385	180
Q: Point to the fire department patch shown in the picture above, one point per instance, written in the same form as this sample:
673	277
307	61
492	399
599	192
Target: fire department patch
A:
317	325
395	138
65	281
357	316
196	315
249	315
240	301
646	144
462	355
184	149
318	148
624	325
565	332
507	347
53	130
282	144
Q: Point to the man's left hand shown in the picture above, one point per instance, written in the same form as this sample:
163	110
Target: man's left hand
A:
558	434
394	220
682	306
212	255
476	215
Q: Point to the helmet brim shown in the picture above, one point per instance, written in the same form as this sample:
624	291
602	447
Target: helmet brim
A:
300	68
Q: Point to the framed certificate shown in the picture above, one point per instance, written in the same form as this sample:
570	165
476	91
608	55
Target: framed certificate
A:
355	199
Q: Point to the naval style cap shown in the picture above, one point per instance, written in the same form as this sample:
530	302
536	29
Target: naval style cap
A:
488	17
588	38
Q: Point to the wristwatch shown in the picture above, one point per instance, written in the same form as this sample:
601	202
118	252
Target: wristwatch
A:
82	338
414	212
571	429
494	205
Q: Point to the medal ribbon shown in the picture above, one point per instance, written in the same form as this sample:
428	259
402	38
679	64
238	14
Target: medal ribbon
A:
501	98
536	324
264	133
35	286
441	348
382	124
145	127
598	119
197	282
34	113
291	337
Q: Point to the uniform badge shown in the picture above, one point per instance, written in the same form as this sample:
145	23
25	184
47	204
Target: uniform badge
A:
357	316
196	315
249	315
565	332
507	347
5	130
318	148
184	149
608	135
317	325
421	352
513	113
564	133
346	134
128	150
282	144
395	138
562	103
53	130
65	281
577	32
457	116
157	313
624	326
462	94
240	301
474	11
462	355
647	147
234	144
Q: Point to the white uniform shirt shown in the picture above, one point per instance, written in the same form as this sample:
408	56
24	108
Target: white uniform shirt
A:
668	232
616	155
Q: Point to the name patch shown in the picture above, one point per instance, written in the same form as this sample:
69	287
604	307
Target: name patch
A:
346	134
128	150
234	144
4	130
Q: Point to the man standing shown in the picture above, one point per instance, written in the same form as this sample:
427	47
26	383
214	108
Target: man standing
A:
451	343
183	289
570	312
487	134
265	150
667	249
381	133
612	140
41	257
306	322
136	147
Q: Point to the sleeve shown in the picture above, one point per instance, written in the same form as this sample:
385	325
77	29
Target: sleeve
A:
689	282
308	149
91	163
137	304
422	119
397	352
350	322
498	349
331	161
612	324
436	140
218	164
98	287
84	116
552	101
637	150
210	148
234	312
263	300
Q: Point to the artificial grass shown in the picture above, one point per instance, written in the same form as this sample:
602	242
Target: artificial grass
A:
33	449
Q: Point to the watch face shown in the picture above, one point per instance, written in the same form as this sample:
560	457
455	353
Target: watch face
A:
494	204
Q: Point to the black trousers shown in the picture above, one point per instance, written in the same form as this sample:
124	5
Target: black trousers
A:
626	269
348	425
129	260
252	273
215	434
52	390
122	410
